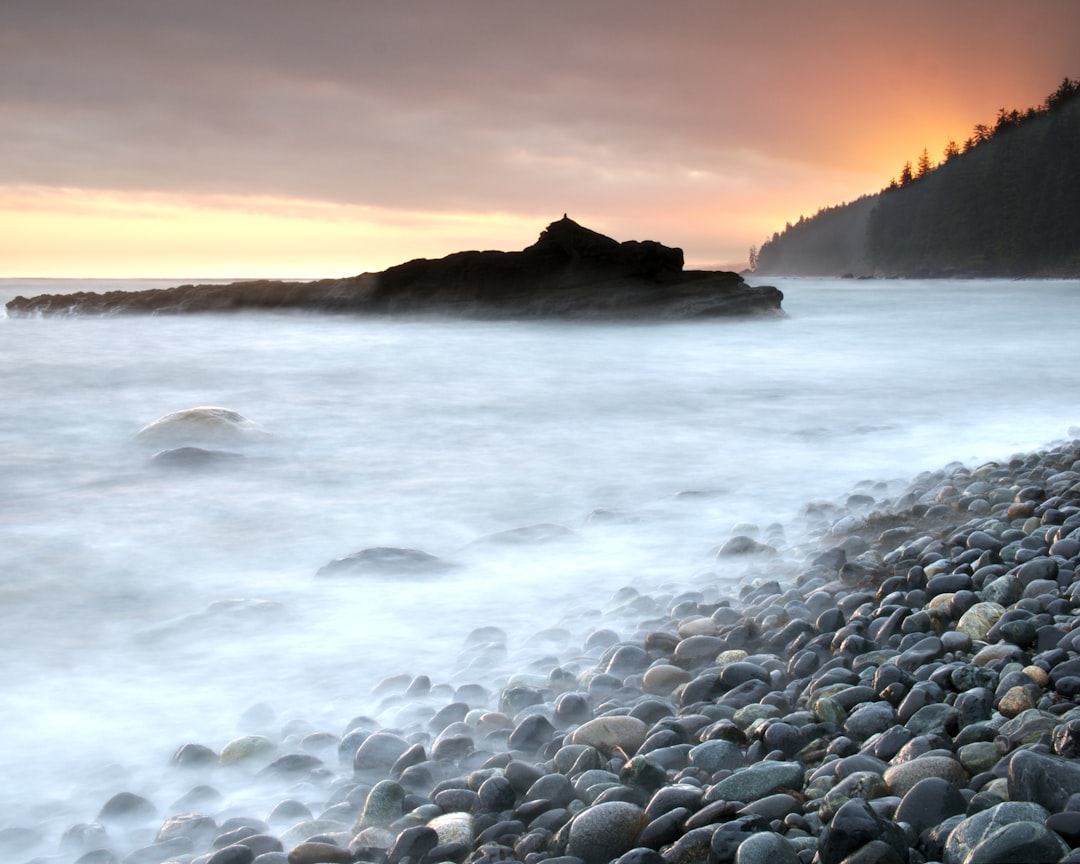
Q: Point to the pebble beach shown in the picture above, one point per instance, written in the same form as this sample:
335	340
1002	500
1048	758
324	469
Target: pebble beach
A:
903	687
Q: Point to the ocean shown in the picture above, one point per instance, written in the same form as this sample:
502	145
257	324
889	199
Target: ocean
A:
142	607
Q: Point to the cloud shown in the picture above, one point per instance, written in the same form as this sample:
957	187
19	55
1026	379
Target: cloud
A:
624	109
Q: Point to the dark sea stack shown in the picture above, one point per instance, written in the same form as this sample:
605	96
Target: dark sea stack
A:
570	272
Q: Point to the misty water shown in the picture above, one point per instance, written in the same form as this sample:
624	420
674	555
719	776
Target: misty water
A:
142	608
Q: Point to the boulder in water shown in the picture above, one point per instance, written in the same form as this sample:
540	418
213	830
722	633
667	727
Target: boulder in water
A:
201	425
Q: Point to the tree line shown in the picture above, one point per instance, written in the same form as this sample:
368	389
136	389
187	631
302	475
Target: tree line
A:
981	133
1004	202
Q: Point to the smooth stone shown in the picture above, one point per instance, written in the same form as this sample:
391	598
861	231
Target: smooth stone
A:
730	836
1004	591
861	784
611	732
496	794
197	827
993	653
156	853
532	733
978	756
1017	700
1066	825
664	829
127	808
453	828
627	660
1065	740
310	829
983	540
663	679
292	765
772	806
971	832
605	831
929	802
289	812
977	621
1046	780
757	781
413	843
766	848
739	672
936	718
235	854
870	719
640	855
260	843
694	651
382	806
457	800
901	778
1038	569
693	847
1020	841
556	789
672	797
203	424
855	825
379	752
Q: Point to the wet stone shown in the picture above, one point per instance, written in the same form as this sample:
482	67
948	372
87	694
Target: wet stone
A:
928	802
861	784
869	720
127	808
382	806
412	843
608	733
730	835
756	781
235	854
901	778
496	794
1045	780
855	825
983	827
766	848
605	831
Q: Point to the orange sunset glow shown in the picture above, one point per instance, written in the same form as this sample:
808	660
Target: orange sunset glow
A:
279	143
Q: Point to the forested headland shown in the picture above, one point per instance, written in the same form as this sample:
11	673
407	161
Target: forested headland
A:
1004	202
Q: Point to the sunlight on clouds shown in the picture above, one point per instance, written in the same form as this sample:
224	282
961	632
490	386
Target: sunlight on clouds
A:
76	232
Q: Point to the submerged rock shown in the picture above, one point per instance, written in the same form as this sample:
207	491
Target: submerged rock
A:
386	560
193	457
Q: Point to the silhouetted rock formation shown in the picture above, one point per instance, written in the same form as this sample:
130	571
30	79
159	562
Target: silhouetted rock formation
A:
570	272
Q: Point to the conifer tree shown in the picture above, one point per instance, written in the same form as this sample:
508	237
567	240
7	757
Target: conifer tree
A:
925	166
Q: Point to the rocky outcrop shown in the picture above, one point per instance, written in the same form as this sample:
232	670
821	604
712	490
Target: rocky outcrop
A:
570	272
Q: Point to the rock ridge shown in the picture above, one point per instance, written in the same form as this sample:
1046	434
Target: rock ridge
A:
569	272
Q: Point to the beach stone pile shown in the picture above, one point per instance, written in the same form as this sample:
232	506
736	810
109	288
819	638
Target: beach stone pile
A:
903	688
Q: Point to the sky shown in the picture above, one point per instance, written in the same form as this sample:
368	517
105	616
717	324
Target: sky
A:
237	138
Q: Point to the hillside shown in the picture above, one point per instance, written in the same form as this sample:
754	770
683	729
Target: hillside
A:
1007	204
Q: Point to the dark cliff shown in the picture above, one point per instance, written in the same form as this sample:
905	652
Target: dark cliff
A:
570	272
